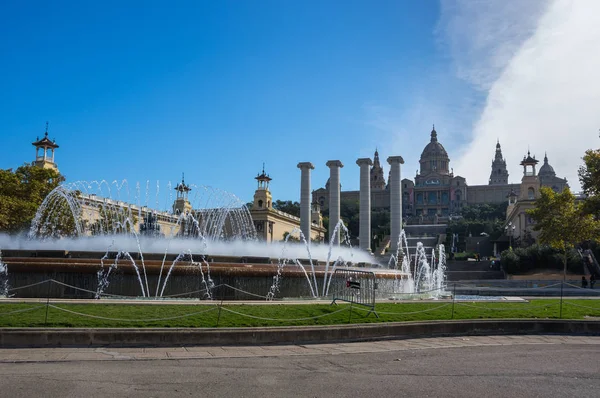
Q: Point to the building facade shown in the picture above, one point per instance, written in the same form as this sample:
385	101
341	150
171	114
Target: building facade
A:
436	193
274	225
519	224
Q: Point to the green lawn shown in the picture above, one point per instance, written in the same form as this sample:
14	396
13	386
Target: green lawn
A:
234	315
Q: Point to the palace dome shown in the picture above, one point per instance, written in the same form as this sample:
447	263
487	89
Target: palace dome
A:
546	169
434	149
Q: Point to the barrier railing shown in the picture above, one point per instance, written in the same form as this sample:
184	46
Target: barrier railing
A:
358	288
355	287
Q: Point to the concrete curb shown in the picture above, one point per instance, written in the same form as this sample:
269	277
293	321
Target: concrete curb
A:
129	337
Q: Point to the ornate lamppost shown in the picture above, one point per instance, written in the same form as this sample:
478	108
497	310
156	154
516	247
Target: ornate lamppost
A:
510	230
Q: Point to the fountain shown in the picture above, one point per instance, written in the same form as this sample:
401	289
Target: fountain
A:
103	239
4	288
425	278
311	279
109	229
91	208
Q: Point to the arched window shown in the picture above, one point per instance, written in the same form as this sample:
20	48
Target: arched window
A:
260	203
530	193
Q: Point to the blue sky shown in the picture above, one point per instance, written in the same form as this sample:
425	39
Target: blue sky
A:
148	90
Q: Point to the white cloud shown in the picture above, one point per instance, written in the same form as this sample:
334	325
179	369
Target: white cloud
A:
547	96
482	36
524	72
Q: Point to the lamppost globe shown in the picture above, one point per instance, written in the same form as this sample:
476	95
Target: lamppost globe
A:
509	229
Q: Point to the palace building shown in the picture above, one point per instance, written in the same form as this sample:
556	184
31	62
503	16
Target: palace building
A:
436	193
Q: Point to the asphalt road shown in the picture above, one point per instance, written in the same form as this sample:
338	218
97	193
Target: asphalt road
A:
421	370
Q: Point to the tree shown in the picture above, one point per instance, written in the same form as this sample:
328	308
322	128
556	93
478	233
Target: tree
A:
589	176
485	211
287	206
22	192
477	219
291	238
349	212
380	224
562	222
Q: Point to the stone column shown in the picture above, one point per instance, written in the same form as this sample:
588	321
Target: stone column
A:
364	234
395	200
334	197
305	168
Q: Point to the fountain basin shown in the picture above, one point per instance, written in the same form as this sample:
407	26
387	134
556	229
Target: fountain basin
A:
233	279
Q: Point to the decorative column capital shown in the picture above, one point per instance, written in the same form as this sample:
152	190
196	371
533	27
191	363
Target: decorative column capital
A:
364	162
334	163
395	159
306	165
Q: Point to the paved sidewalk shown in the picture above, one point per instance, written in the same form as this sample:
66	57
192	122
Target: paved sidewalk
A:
9	355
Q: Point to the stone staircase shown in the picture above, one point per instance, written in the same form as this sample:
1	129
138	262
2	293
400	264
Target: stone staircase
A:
383	246
428	235
472	271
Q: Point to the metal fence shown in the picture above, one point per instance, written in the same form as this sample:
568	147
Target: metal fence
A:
354	286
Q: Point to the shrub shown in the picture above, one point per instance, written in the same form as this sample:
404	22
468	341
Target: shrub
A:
536	257
463	256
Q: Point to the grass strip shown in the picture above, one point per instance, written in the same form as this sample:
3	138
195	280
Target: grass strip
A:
243	315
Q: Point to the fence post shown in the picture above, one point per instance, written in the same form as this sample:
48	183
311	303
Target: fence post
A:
47	301
453	298
220	305
561	299
350	315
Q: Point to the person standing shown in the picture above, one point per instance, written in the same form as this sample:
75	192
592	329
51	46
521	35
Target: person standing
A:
583	282
592	281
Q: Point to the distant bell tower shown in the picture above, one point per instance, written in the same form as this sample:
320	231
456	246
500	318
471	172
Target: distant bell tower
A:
182	205
530	184
45	160
377	177
499	174
263	199
316	217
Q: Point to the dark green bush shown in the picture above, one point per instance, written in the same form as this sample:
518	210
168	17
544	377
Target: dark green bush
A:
539	257
463	256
